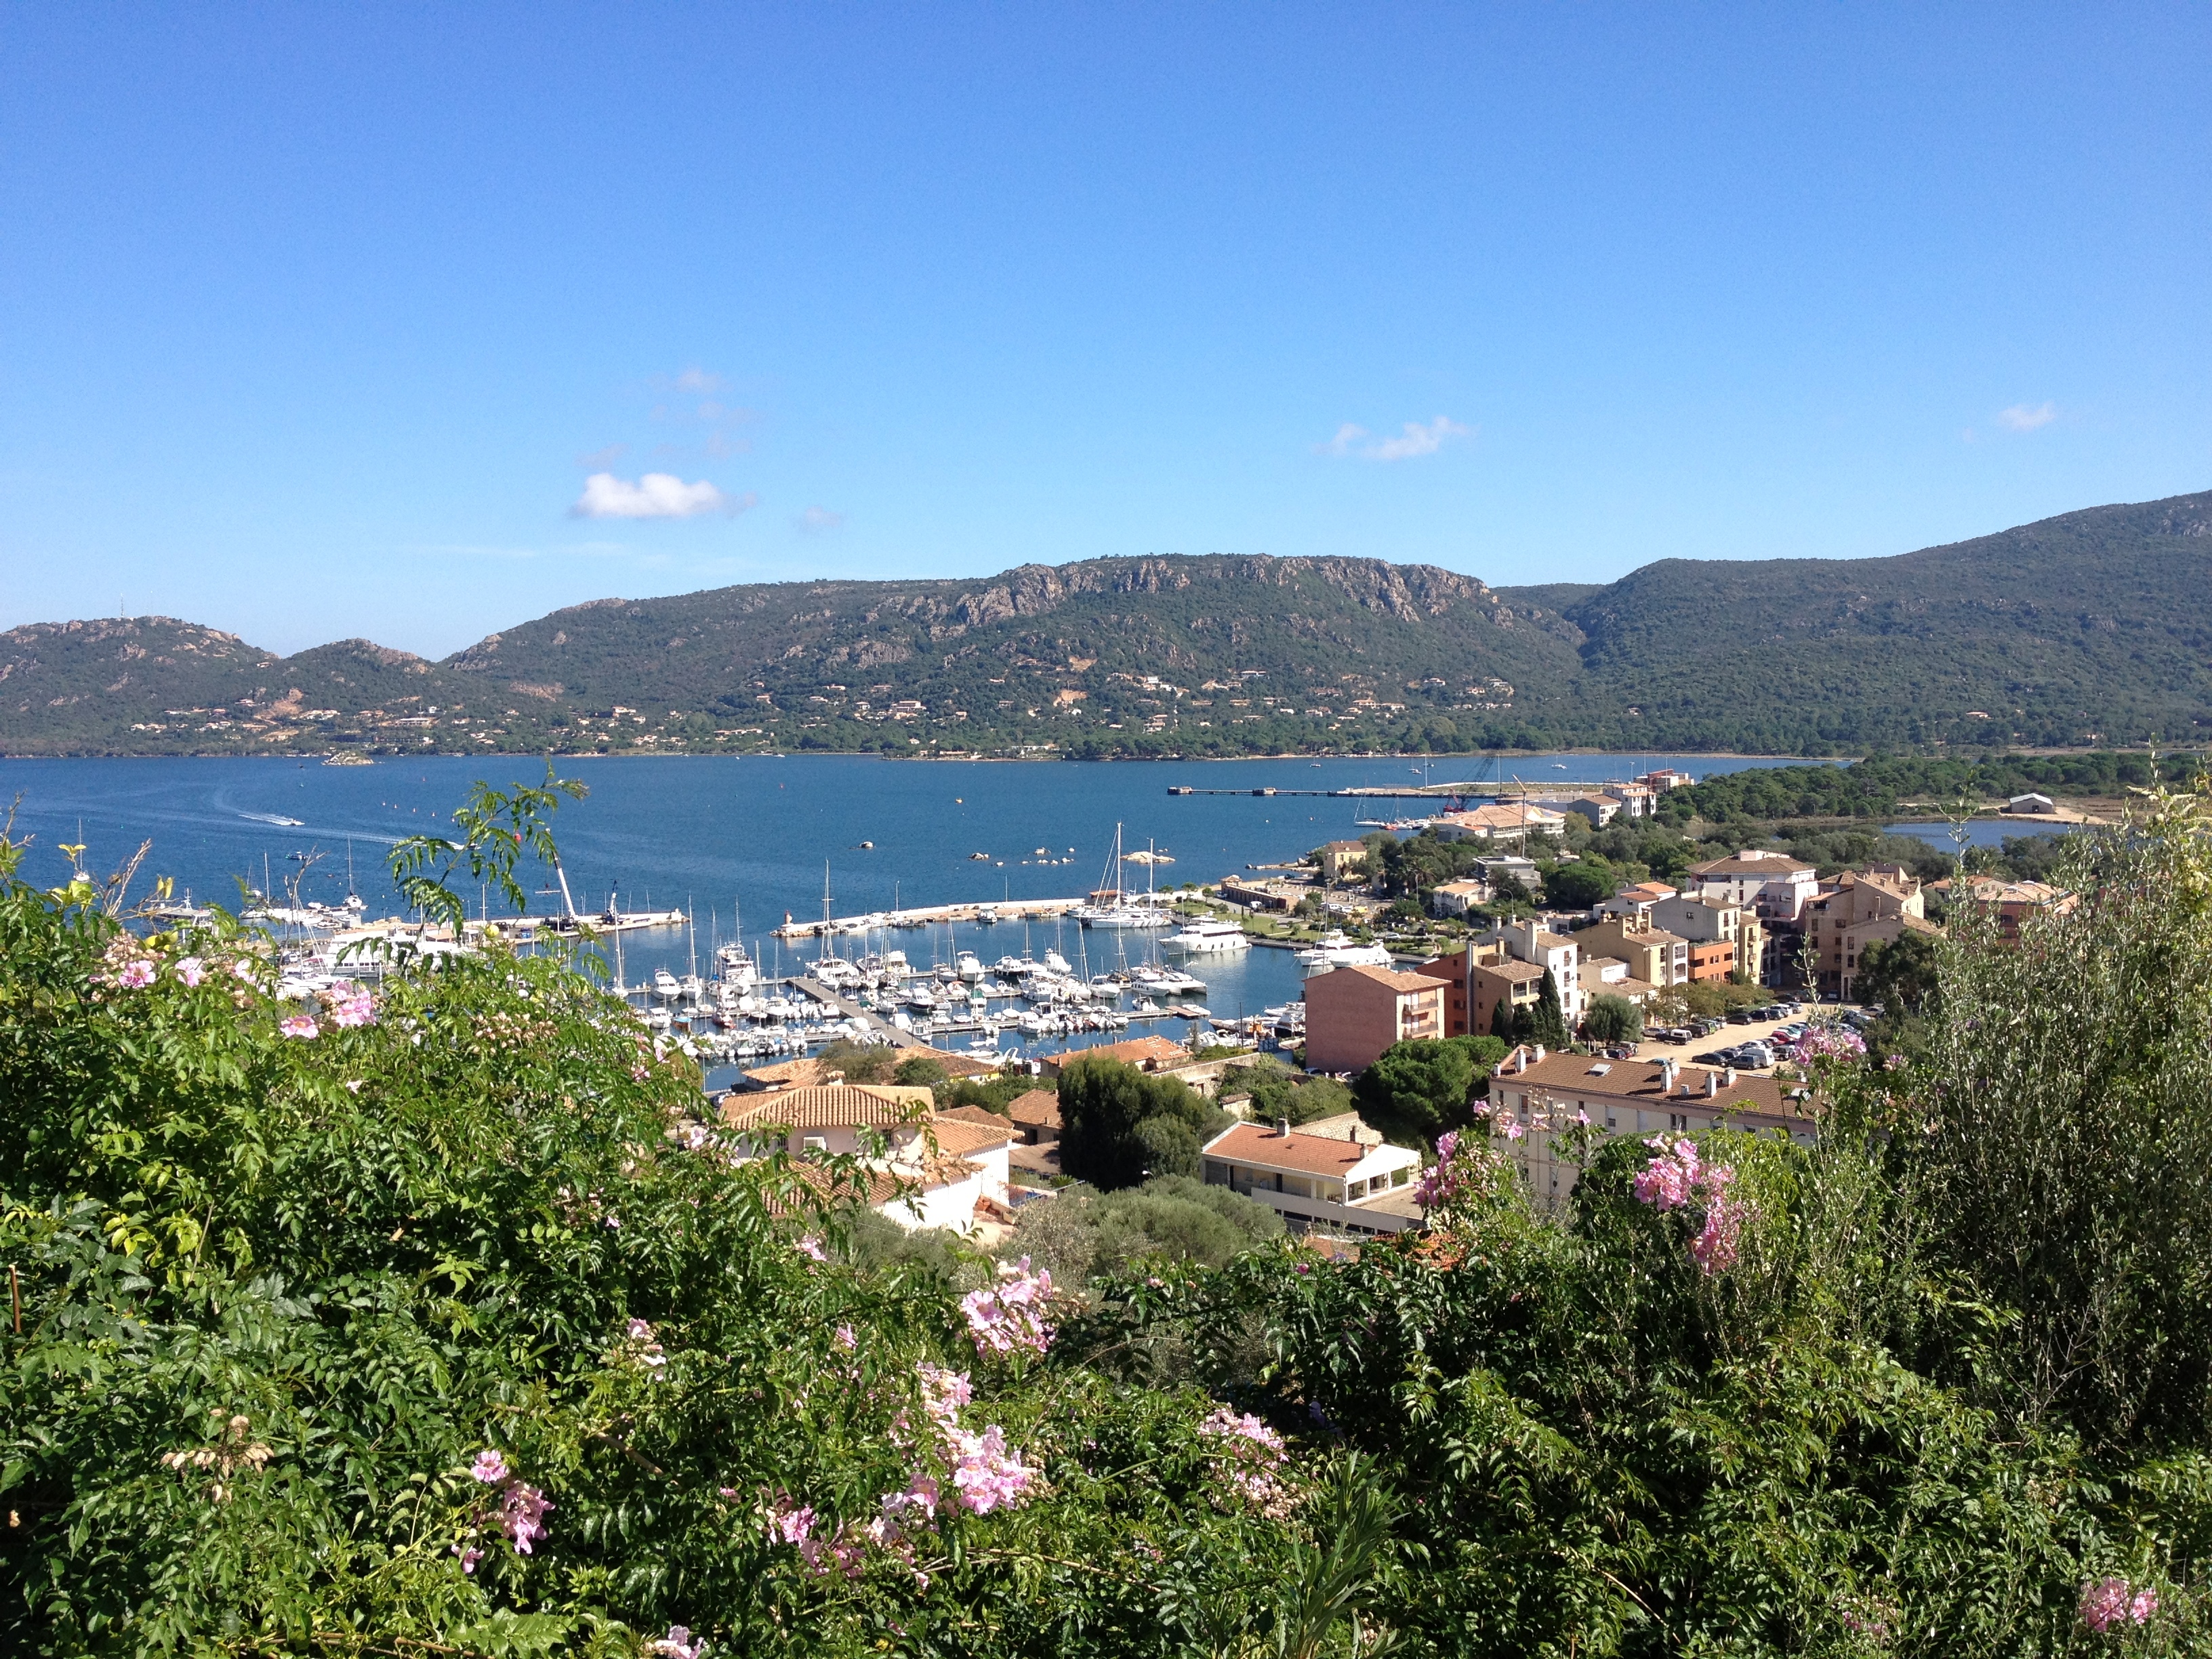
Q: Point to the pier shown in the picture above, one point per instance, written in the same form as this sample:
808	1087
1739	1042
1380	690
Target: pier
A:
867	1017
1417	791
929	915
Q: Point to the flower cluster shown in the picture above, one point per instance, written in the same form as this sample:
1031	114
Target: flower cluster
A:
299	1025
985	1476
234	1452
1676	1178
350	1005
1462	1166
1009	1317
125	965
1829	1042
677	1644
521	1507
1257	1457
2110	1603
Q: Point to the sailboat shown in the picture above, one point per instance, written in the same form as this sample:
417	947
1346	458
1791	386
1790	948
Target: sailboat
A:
1112	906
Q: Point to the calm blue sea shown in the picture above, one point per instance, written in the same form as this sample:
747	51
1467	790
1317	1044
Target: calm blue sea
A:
748	837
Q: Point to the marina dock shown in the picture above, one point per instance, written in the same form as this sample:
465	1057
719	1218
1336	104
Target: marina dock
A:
928	915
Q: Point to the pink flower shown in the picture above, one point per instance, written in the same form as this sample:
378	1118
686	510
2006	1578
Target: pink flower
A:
811	1248
677	1644
522	1510
299	1025
1009	1317
134	974
469	1557
988	1475
1714	1248
242	968
1513	1130
790	1525
191	970
942	1394
639	1331
355	1007
2106	1603
845	1337
490	1468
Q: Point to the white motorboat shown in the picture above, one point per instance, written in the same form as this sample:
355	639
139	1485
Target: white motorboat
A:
968	965
1333	949
1205	938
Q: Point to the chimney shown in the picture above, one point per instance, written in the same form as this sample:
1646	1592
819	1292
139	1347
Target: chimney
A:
1666	1073
1539	1051
1283	1127
1713	1084
1727	1078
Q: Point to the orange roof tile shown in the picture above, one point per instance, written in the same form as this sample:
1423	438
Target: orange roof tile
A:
834	1106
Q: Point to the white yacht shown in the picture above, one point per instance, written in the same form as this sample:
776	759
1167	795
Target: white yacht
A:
1333	949
1206	936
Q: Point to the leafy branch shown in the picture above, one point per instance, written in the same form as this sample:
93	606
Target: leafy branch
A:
497	826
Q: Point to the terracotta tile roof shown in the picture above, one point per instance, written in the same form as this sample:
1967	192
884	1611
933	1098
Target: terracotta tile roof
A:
834	1106
1771	864
1637	1083
885	1185
1310	1154
982	1115
960	1137
956	1065
1516	971
1391	978
1134	1052
801	1073
1039	1106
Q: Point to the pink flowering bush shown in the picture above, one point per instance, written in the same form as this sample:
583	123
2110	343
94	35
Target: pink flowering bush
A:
301	1026
350	1007
1675	1179
1008	1317
2112	1604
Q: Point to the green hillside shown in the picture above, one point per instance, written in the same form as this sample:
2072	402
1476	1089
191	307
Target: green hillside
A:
2084	629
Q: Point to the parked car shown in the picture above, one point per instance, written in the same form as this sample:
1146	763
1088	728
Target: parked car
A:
1754	1056
1712	1057
1740	1017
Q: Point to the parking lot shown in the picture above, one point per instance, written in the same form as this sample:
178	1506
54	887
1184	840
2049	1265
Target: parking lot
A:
1729	1035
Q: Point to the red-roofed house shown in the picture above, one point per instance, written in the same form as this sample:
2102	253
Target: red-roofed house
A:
1355	1184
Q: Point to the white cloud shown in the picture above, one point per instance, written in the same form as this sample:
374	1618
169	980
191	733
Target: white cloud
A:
818	520
603	457
2026	418
1415	441
655	495
698	379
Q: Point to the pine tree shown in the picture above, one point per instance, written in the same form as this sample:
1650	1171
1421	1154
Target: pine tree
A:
1549	1023
1501	1021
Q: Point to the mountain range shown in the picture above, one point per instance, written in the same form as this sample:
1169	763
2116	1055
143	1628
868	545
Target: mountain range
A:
2090	627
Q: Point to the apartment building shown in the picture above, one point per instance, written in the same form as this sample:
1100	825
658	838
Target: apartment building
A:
1857	909
1770	885
1652	954
1480	979
1711	924
1352	1014
1544	1093
1351	1182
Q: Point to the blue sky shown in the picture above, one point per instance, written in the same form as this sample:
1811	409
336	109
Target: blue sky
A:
414	322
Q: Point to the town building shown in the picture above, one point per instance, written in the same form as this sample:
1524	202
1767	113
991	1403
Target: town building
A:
2031	802
1353	1182
1725	938
1457	898
1341	860
921	1168
2012	903
1652	954
1635	902
1352	1014
1856	910
1507	822
1259	893
1545	1095
1604	976
1771	885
